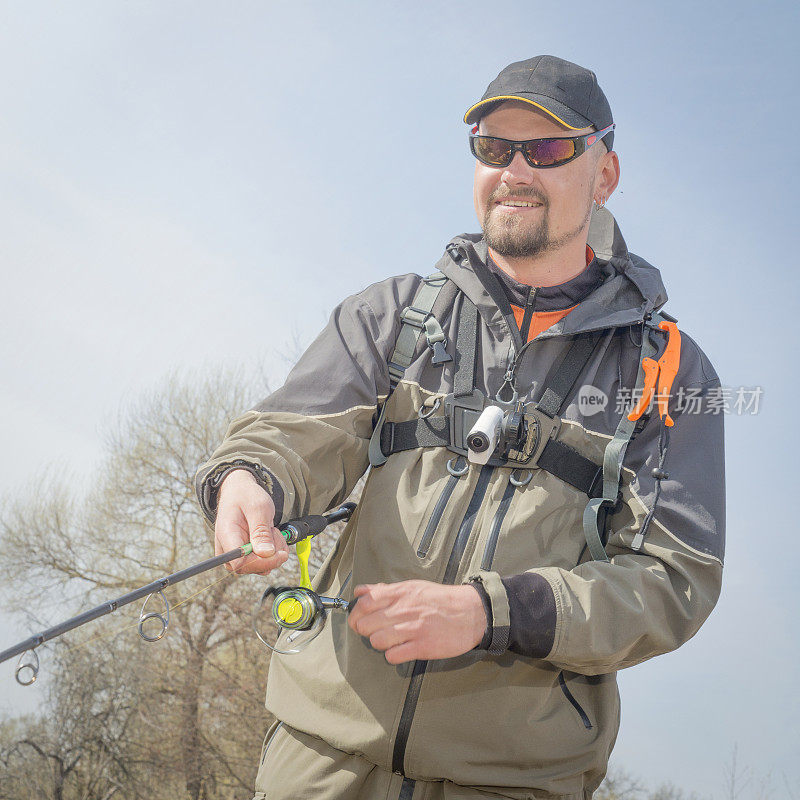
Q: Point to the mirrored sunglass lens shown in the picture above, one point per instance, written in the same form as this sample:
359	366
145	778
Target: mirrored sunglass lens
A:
491	150
550	151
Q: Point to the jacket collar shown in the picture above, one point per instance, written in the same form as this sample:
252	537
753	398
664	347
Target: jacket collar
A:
551	298
631	288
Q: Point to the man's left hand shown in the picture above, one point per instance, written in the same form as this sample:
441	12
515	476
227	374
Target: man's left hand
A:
418	619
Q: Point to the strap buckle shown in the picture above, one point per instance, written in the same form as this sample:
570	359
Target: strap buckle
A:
425	321
440	355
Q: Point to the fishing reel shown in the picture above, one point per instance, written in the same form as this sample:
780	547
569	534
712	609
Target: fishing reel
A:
299	613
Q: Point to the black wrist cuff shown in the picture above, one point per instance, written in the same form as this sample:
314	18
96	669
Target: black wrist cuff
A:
209	488
487	608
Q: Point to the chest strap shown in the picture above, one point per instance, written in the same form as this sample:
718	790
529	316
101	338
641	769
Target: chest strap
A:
557	458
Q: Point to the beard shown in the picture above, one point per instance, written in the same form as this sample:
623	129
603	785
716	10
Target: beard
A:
514	237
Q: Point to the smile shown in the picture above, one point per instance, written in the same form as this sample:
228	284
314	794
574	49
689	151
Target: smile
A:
518	204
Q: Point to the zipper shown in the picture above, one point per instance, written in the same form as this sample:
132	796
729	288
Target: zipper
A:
491	283
509	379
527	316
587	723
497	523
269	742
436	516
450	572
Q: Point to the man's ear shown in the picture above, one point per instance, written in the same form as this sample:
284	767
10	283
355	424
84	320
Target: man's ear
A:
607	175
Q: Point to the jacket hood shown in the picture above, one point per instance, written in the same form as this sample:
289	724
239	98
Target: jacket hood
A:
632	288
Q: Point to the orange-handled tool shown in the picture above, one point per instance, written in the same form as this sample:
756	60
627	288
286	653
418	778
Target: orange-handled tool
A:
662	372
668	368
650	368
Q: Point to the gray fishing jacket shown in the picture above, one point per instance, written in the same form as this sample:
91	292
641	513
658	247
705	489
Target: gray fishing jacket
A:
537	713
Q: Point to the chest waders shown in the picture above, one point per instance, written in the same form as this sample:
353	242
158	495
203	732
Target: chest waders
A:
539	447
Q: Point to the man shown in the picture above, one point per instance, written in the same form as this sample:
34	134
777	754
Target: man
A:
497	594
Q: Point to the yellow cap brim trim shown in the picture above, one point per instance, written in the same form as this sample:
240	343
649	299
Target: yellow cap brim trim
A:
524	100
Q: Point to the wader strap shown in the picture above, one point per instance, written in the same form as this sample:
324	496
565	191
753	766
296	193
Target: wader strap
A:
563	375
415	319
594	515
466	348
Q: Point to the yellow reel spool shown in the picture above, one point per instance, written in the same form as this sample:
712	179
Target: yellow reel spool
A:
289	611
295	609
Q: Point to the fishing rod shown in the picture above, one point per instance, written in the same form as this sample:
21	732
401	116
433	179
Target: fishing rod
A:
294	531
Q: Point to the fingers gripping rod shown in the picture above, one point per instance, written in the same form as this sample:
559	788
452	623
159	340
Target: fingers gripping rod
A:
293	531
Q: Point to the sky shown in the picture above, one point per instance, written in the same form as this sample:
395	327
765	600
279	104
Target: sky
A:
189	185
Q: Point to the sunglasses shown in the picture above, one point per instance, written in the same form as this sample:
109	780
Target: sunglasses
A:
539	153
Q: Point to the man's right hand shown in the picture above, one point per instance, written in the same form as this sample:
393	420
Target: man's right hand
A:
246	513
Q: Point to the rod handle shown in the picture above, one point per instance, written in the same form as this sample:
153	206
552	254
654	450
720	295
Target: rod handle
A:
295	530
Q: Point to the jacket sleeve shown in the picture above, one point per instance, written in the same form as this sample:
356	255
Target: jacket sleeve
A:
308	442
650	597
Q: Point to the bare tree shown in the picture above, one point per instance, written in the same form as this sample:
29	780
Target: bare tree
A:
25	771
668	791
620	785
195	708
79	742
736	778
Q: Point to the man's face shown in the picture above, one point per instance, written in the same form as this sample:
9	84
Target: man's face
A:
562	196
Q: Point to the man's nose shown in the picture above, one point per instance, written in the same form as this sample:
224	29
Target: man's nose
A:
519	171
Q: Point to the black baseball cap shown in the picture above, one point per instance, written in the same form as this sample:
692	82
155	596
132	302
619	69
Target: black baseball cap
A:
568	93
